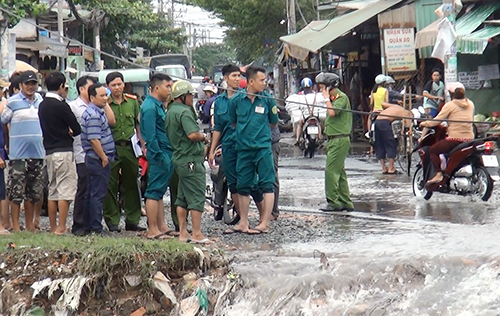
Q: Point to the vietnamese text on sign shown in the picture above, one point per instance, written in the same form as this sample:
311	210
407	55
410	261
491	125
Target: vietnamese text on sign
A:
399	47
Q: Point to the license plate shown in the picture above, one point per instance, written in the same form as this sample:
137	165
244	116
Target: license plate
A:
490	161
312	130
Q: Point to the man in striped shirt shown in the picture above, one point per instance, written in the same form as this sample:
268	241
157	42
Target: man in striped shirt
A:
24	144
99	147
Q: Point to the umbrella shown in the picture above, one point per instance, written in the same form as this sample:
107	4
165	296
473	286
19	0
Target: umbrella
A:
21	66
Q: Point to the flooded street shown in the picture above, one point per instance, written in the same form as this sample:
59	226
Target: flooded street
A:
395	255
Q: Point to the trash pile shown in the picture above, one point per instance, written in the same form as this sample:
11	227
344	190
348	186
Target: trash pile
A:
39	283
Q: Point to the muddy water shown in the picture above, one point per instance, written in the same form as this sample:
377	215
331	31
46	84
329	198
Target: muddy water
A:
396	255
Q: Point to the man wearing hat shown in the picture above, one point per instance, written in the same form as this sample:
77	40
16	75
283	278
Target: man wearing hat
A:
24	143
188	153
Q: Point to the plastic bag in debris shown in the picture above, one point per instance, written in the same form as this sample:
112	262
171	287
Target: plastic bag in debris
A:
163	284
71	287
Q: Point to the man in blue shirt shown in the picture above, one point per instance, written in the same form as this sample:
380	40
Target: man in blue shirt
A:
158	154
99	147
24	143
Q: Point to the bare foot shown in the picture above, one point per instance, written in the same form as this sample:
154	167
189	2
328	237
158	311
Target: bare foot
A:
61	232
184	237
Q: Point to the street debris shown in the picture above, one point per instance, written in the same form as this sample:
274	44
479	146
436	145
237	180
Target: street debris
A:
163	284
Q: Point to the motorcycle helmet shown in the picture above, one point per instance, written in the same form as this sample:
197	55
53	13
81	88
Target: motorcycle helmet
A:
328	79
306	83
211	88
389	80
181	88
454	85
223	85
380	79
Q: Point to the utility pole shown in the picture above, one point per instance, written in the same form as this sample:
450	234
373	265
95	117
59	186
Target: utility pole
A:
292	29
320	53
450	59
97	46
60	28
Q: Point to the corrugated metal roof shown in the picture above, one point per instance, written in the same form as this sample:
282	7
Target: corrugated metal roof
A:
316	35
424	15
471	20
475	43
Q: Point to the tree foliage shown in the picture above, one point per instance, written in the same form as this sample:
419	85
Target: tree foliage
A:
254	26
22	8
125	24
205	57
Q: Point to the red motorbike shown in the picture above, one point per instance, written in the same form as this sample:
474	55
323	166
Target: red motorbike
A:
469	169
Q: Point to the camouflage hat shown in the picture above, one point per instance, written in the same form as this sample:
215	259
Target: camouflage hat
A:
180	88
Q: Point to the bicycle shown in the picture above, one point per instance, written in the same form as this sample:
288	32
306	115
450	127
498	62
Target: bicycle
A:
405	156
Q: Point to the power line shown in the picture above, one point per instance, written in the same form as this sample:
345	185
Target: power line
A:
74	41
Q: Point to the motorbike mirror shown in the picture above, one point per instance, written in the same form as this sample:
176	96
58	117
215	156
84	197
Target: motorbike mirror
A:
421	109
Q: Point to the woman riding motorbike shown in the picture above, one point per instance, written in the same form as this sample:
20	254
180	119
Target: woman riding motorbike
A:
458	109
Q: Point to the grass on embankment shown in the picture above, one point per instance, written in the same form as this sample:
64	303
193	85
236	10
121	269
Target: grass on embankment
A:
99	257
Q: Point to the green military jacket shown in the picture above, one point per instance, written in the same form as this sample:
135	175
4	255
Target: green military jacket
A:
181	122
127	117
341	123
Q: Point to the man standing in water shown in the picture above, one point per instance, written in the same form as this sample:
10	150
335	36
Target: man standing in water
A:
338	127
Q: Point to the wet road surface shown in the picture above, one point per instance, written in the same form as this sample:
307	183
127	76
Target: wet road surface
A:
395	255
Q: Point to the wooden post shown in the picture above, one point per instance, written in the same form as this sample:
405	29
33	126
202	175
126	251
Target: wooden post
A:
410	134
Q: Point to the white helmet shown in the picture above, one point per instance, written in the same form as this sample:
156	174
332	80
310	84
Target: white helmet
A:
454	85
380	79
210	88
389	79
223	85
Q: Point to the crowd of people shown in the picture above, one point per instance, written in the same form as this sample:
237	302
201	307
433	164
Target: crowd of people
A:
83	151
88	150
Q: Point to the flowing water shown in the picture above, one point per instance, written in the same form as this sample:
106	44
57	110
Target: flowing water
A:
396	256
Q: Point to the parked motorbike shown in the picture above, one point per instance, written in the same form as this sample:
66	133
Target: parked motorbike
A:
310	136
219	195
284	120
469	169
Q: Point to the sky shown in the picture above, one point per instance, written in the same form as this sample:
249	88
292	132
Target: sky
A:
201	20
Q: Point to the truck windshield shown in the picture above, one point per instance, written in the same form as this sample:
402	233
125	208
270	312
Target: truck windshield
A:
175	72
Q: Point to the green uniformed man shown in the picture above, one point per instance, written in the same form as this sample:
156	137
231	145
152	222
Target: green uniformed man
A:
158	154
338	126
254	112
189	151
126	110
225	132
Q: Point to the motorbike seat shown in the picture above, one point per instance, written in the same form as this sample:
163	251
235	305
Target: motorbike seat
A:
464	145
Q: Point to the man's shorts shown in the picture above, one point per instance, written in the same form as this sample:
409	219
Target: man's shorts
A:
25	180
192	186
63	179
385	143
256	161
229	159
159	175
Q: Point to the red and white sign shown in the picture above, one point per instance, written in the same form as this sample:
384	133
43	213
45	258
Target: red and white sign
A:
400	50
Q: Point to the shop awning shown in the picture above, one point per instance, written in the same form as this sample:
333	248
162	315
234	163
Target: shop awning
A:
465	25
46	47
475	43
319	33
427	36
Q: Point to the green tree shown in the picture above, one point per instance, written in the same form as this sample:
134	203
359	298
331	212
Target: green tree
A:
125	24
254	26
21	8
205	57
